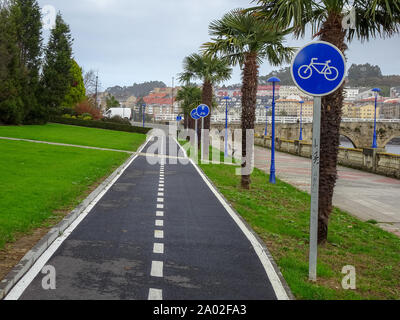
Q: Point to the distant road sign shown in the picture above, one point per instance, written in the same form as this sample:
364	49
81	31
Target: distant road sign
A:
178	118
318	69
203	110
194	114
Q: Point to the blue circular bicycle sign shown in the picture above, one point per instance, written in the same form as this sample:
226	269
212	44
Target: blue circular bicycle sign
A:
203	110
194	115
318	69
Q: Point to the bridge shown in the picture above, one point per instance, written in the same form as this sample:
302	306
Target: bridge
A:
358	131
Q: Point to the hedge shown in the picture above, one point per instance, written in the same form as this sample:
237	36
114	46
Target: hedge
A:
99	124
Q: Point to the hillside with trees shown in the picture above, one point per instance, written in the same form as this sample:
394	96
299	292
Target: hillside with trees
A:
137	89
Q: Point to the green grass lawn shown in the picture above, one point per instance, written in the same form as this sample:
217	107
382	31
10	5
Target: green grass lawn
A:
37	180
76	135
280	215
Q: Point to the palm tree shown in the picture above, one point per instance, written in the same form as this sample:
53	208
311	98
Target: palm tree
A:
210	70
245	40
190	96
373	18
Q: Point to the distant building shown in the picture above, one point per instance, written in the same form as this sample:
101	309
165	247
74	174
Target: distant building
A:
349	110
395	92
308	109
286	91
390	109
365	94
288	107
350	94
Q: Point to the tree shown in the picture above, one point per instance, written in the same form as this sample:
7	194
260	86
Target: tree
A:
111	102
284	74
27	20
190	96
89	80
373	18
210	70
11	104
245	40
57	77
76	92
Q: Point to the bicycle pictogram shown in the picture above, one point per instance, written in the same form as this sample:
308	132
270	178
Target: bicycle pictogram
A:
330	73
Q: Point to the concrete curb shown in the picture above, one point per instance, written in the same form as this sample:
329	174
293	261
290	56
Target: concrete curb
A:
33	255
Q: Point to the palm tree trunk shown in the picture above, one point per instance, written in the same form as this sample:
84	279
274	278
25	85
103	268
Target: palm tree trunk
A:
207	98
249	100
331	116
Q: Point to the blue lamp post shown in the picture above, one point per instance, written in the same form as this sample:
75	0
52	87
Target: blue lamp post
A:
301	120
376	90
227	98
144	114
266	120
272	178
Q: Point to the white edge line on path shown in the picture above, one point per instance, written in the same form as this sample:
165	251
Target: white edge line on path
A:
276	283
16	292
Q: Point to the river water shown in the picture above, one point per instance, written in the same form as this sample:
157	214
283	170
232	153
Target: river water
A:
390	148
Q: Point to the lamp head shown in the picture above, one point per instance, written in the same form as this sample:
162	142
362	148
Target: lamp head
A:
274	79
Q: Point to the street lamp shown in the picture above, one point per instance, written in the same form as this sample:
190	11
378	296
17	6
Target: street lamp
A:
272	178
144	114
301	120
227	98
266	120
376	90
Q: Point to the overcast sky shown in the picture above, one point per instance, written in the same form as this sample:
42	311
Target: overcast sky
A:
131	41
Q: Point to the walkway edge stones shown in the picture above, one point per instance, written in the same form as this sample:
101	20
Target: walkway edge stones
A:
33	255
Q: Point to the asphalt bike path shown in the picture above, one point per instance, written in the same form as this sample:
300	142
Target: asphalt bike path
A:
160	232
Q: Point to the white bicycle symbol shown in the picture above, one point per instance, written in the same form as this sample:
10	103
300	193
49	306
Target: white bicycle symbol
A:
330	73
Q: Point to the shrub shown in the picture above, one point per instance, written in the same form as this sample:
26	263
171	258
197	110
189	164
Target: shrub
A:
99	124
117	119
86	108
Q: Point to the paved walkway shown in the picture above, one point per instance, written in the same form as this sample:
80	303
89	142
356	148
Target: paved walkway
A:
364	195
159	232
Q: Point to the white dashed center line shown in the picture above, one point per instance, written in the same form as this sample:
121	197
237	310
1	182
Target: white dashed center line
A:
159	223
155	294
159	234
158	248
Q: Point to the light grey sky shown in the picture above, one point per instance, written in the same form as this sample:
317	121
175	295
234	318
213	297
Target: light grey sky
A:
131	41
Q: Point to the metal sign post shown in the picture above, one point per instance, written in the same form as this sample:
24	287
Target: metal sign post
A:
195	116
315	189
318	69
203	111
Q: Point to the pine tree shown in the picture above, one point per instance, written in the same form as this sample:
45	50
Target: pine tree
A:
11	106
57	77
26	16
76	92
